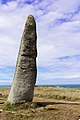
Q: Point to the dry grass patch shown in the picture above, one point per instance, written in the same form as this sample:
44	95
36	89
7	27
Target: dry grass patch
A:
58	93
50	103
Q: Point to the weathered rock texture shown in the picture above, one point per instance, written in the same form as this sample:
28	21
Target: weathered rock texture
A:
25	74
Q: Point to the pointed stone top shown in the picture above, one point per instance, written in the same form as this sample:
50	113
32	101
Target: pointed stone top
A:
30	16
30	19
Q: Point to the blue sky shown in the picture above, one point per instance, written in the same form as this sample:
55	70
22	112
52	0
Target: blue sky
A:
58	31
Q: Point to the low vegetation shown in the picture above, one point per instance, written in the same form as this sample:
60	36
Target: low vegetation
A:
49	103
58	93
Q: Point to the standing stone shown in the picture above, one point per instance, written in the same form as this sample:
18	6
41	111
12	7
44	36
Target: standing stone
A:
25	74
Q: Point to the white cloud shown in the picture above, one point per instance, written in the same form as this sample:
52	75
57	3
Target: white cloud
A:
54	40
11	28
5	82
66	7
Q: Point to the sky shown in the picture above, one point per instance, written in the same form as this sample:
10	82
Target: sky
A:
58	39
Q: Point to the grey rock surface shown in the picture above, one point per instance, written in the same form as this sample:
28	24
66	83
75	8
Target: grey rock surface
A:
25	74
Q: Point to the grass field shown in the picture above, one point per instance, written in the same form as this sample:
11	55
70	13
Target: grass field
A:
49	103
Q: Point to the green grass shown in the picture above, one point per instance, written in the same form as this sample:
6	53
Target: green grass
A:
27	105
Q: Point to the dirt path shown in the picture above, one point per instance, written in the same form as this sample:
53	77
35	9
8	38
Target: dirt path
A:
53	101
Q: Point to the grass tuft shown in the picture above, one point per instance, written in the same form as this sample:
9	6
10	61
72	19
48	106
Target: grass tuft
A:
27	105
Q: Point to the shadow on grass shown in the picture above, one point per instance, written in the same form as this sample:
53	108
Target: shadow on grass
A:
1	102
43	104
